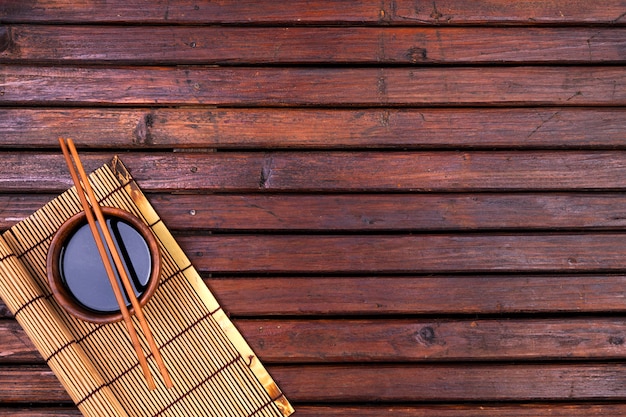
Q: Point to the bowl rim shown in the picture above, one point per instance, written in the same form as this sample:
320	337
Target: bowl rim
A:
64	297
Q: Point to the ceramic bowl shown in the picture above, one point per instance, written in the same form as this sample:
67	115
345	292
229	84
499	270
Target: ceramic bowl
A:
76	273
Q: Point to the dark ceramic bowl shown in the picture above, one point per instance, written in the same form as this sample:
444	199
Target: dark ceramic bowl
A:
76	273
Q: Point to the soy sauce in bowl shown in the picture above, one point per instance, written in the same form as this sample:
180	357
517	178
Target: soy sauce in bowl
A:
76	273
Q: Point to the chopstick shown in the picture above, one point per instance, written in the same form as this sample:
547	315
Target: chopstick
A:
83	189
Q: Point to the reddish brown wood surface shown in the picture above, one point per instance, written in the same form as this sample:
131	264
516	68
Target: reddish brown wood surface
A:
282	341
340	87
387	212
219	45
408	254
402	12
408	208
392	383
438	295
313	128
360	212
337	171
482	410
417	295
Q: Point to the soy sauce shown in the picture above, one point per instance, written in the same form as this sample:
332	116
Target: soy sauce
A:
82	271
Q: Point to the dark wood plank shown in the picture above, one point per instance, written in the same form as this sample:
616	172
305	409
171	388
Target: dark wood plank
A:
38	411
479	410
15	208
318	341
220	45
390	383
499	294
407	254
398	383
15	346
240	86
250	297
384	296
320	12
30	384
335	171
367	212
389	212
313	128
300	341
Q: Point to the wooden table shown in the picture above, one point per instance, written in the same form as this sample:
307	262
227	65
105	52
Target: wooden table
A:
407	208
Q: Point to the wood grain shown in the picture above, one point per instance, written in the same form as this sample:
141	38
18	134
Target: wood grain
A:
149	129
40	412
542	211
401	341
398	383
392	383
298	86
407	254
412	295
404	341
474	171
415	295
408	208
402	12
336	45
479	410
385	212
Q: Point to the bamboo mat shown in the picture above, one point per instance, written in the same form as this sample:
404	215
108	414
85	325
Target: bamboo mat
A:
215	372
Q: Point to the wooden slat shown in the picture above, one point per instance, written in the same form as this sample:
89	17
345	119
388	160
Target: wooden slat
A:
298	341
391	383
478	410
329	12
22	384
587	85
383	296
499	294
368	212
15	346
40	412
219	45
408	254
389	212
312	128
336	171
15	208
319	341
400	383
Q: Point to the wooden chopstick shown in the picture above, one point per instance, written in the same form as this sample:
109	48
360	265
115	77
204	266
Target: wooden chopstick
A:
83	189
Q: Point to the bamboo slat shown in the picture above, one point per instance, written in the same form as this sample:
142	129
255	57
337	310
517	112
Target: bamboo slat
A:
214	370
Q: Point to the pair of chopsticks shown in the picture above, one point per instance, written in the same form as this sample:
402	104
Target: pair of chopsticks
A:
85	188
